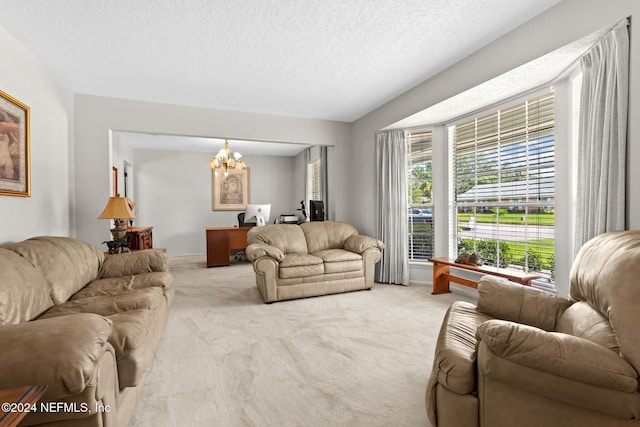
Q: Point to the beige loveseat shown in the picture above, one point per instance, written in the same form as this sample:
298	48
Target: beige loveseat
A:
315	258
523	358
81	323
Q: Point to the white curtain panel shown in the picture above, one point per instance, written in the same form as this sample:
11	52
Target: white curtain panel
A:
602	142
392	214
324	179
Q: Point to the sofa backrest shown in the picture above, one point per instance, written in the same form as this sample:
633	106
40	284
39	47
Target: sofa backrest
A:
605	278
323	235
24	293
66	264
289	238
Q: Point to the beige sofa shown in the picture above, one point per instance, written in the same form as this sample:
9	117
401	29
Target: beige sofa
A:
521	357
84	324
315	258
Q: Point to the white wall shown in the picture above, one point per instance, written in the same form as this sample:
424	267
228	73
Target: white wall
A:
96	116
568	21
174	195
48	210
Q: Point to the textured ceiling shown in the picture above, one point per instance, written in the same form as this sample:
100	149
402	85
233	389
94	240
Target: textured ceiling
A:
326	59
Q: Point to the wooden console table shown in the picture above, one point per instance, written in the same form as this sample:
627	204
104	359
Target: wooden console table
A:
140	238
442	275
221	241
19	400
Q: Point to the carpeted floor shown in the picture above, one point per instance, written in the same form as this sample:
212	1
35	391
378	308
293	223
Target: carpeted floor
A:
227	359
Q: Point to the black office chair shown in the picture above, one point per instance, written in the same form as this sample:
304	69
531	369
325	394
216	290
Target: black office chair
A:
241	219
238	255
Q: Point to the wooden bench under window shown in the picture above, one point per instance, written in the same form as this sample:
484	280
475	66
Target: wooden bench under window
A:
442	275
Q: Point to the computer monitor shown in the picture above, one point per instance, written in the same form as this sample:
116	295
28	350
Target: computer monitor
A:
316	210
253	212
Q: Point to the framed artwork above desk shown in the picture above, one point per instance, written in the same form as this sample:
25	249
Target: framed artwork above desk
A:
230	191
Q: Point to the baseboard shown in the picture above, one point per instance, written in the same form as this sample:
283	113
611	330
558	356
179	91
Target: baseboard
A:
464	290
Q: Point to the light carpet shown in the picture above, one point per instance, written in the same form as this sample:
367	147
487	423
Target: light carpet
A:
227	359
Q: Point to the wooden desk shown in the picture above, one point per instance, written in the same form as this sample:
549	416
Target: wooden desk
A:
221	241
18	398
442	276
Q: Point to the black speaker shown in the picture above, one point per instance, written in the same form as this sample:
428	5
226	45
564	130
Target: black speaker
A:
317	210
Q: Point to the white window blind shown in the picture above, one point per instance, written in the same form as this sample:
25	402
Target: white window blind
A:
504	184
420	183
314	191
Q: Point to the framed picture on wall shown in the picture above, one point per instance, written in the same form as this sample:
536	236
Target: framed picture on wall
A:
14	147
230	190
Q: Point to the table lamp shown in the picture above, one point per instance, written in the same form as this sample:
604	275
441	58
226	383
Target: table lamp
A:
118	209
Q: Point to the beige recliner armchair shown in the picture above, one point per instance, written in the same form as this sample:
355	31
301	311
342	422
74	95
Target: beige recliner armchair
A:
522	357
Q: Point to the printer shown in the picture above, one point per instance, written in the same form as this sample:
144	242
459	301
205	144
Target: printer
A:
288	219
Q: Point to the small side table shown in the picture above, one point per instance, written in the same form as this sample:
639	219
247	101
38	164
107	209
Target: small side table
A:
140	238
18	397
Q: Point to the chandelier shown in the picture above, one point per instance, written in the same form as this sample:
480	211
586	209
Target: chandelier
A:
227	159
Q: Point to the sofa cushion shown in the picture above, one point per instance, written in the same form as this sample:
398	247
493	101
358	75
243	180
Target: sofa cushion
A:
67	264
107	305
455	358
135	262
130	330
506	300
24	293
584	321
339	260
300	265
61	353
131	339
119	285
358	243
323	235
135	316
558	354
605	274
258	250
289	238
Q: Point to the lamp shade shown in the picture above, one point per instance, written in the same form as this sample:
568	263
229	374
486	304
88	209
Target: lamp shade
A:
117	207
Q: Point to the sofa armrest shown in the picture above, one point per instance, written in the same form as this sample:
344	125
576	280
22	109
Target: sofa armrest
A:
258	250
358	243
559	354
135	262
61	353
506	300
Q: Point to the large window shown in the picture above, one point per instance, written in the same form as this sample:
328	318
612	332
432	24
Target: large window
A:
420	176
503	190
